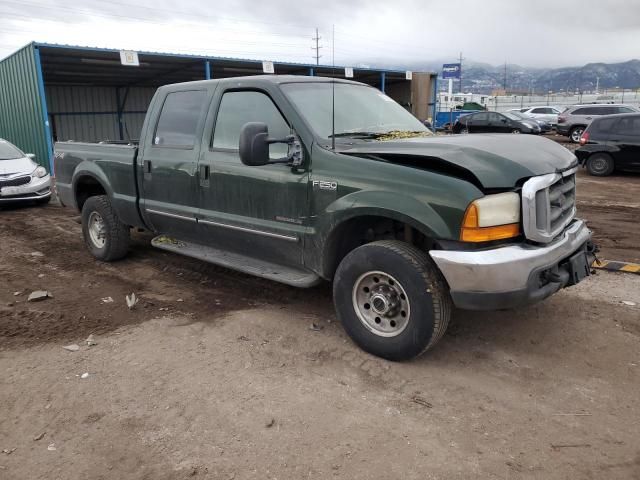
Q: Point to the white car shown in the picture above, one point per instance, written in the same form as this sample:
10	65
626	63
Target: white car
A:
22	179
548	114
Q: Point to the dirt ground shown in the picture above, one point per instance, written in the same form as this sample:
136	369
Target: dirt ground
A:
217	375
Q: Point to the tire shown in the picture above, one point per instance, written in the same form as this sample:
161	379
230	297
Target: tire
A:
516	131
409	283
600	164
464	131
575	133
106	237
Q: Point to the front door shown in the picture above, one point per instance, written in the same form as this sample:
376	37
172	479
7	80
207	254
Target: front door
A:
168	162
256	211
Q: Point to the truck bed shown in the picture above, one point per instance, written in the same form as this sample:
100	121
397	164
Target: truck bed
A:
110	164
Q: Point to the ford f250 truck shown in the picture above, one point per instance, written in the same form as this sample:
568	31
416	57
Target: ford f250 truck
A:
305	179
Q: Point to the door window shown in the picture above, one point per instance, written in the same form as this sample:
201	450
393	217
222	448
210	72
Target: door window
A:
624	110
629	126
179	118
479	117
237	109
541	110
495	117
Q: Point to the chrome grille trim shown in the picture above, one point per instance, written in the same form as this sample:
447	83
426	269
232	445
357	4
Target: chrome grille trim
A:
548	205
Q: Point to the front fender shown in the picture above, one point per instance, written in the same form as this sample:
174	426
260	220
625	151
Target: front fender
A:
420	215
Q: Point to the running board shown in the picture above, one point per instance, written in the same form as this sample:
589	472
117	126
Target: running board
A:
278	273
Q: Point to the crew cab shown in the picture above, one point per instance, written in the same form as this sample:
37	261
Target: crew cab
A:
303	179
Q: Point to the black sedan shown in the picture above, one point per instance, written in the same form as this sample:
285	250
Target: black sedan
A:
545	127
611	142
494	122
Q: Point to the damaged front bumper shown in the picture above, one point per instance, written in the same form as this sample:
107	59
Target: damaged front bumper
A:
36	189
515	275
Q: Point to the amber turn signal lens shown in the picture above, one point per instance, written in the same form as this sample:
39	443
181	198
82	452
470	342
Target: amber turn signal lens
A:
471	232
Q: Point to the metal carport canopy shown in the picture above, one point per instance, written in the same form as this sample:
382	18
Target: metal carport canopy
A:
73	65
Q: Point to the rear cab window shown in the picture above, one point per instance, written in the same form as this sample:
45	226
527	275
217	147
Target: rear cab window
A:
178	120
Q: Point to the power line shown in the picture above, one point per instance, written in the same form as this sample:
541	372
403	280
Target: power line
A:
317	47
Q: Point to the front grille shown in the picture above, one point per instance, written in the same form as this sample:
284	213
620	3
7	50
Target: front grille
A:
15	182
548	205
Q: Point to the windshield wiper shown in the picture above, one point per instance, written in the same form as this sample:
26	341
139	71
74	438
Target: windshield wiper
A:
356	134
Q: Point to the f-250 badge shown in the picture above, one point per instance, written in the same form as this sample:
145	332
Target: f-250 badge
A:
325	185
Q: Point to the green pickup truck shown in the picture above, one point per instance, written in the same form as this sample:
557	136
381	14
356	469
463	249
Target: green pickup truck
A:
306	179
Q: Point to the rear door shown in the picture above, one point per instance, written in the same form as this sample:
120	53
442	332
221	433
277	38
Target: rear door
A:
477	123
626	136
260	210
169	159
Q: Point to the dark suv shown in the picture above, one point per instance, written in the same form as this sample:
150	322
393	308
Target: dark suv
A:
573	121
610	143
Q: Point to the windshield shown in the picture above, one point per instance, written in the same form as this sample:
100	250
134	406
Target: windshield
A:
359	110
8	151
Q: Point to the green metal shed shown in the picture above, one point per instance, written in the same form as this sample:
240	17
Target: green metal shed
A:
23	109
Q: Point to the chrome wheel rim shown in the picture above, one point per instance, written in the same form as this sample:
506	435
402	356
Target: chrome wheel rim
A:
381	303
575	136
515	131
97	230
599	164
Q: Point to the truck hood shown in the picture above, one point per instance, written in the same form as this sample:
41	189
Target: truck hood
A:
495	160
17	165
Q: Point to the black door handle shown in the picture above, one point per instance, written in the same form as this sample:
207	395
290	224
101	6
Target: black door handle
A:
147	166
204	175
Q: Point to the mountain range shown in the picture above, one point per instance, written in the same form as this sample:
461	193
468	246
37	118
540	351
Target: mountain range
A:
484	78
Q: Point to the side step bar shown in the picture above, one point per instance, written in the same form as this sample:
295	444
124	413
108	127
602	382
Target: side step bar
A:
259	268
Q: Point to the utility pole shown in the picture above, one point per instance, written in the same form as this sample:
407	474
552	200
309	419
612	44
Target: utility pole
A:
504	85
460	79
317	48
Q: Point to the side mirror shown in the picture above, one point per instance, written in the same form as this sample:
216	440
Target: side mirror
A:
254	148
32	156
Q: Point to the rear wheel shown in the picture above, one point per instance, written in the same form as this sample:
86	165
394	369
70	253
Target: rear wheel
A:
600	164
105	236
575	133
391	299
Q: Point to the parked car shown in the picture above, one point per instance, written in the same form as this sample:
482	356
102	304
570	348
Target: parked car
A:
573	121
267	175
545	126
494	122
611	143
21	178
547	114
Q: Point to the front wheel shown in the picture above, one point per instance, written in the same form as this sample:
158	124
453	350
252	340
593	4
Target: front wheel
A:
106	237
391	299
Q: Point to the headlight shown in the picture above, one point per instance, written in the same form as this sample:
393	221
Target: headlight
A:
39	172
494	217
